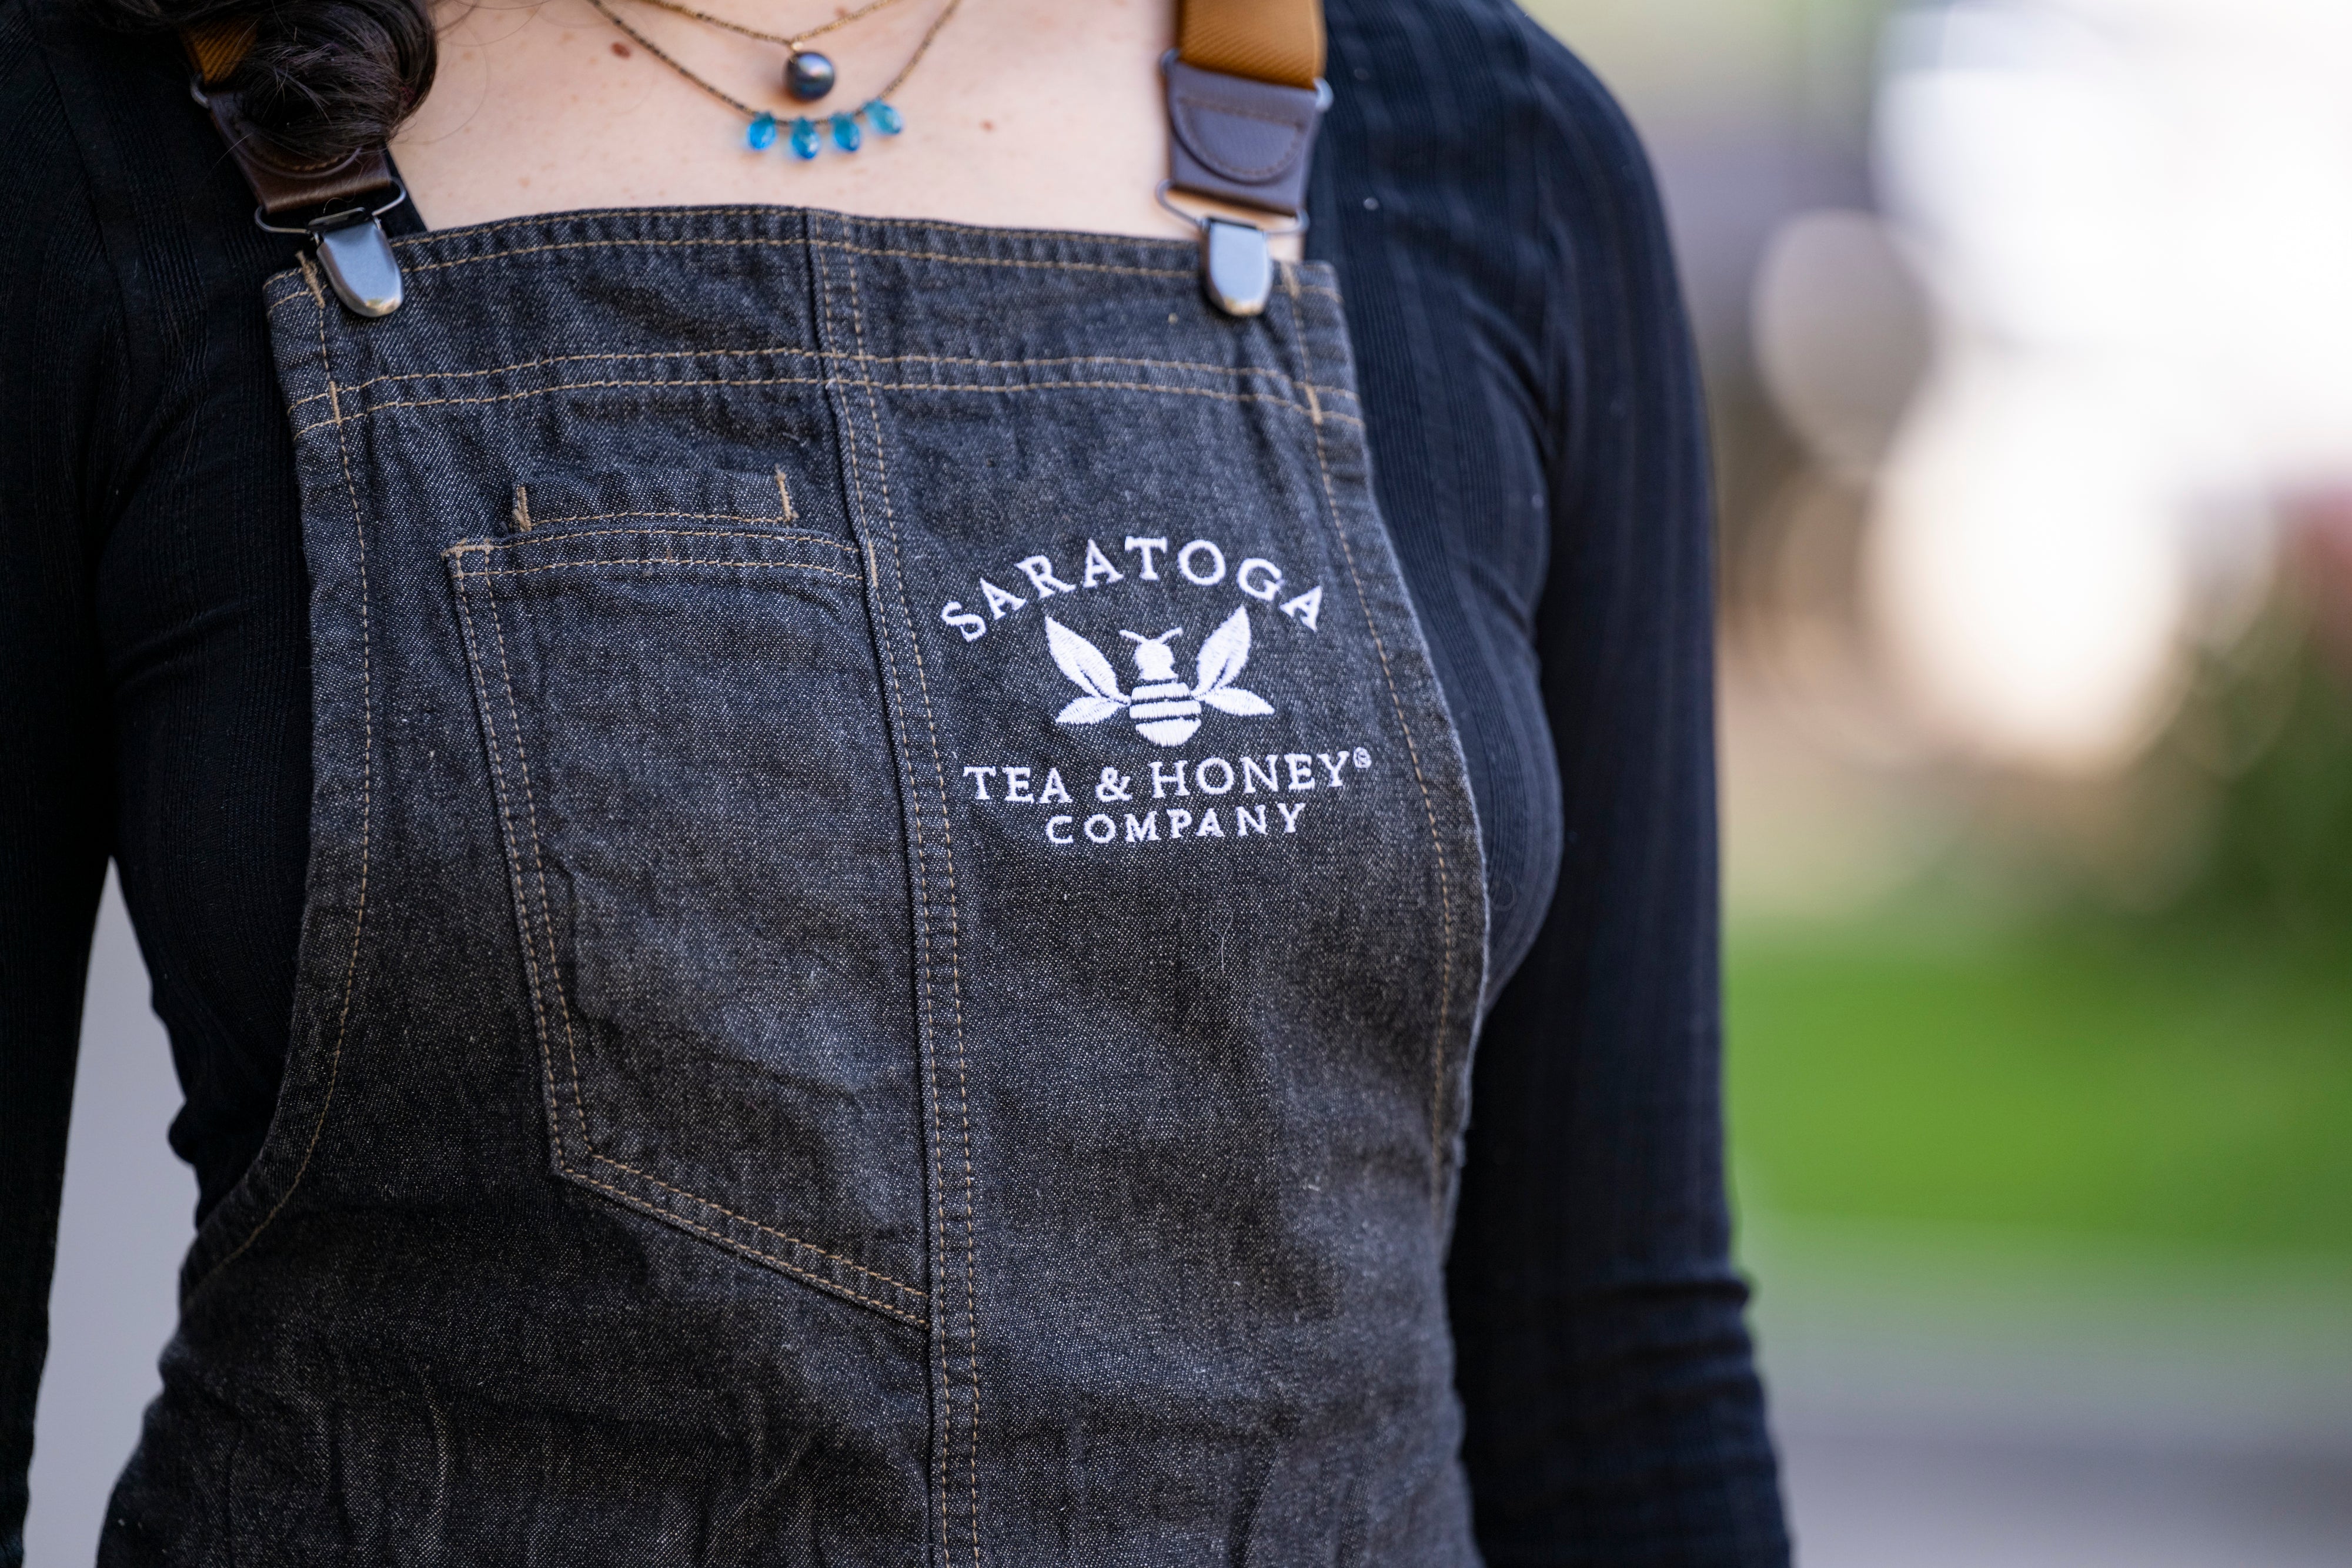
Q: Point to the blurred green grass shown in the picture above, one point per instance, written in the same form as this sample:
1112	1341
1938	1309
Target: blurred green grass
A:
2065	1079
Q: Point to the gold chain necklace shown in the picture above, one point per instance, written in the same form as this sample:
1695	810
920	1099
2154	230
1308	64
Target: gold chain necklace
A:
807	76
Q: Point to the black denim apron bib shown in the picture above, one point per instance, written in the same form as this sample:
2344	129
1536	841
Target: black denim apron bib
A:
894	931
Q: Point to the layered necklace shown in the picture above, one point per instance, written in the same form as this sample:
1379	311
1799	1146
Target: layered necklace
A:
808	77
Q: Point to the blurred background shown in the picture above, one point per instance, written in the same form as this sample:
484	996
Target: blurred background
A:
2028	333
2028	330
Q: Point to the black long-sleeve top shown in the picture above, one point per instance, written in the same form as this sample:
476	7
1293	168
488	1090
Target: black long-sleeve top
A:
1539	456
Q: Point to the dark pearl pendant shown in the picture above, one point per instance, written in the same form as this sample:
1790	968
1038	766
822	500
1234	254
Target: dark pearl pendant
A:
808	75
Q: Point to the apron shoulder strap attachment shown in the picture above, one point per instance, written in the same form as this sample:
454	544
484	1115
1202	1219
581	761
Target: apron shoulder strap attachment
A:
1245	95
338	205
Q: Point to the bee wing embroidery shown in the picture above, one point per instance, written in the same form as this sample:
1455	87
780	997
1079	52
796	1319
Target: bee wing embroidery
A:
1222	654
1089	670
1088	710
1224	651
1234	699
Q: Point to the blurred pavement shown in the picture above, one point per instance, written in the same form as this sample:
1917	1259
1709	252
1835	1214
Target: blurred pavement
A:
1959	1401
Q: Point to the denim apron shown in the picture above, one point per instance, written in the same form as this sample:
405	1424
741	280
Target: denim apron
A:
894	930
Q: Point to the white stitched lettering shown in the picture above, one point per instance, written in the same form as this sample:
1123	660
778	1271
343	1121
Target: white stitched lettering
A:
1098	565
999	601
1248	817
1063	824
1208	828
1110	829
1016	785
1144	548
1159	780
1302	769
1053	791
1179	820
1147	828
1225	770
979	777
1306	607
1291	814
1333	761
1039	570
971	626
1252	773
1184	563
1267	585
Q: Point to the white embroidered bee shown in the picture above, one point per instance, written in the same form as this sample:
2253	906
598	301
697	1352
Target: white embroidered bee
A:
1165	709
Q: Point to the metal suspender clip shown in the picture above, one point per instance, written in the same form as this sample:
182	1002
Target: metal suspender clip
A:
1236	262
344	200
1247	143
354	253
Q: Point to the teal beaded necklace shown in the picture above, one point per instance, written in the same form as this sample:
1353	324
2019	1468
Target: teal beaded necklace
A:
808	75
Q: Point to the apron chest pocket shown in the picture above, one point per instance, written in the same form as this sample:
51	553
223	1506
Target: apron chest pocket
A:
683	726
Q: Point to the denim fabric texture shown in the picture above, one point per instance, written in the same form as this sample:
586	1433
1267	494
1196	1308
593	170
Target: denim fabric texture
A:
894	930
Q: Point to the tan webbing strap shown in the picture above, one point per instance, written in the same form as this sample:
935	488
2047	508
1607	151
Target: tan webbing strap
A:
1264	40
216	48
1245	94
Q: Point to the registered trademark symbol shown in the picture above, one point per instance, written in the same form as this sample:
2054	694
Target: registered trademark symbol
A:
1364	758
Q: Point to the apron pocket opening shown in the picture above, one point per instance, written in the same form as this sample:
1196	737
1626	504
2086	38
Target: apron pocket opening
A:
674	500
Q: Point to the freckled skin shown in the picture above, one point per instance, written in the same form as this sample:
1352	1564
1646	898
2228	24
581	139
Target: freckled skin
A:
1025	114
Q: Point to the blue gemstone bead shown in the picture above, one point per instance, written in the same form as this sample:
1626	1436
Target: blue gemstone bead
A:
761	134
845	133
883	119
804	141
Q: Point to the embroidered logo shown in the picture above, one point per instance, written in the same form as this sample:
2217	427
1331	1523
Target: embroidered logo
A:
1165	708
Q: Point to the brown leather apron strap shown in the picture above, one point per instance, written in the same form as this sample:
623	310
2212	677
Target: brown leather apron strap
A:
1245	94
336	201
283	185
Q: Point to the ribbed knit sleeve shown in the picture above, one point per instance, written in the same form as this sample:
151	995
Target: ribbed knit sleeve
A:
153	667
56	315
1510	278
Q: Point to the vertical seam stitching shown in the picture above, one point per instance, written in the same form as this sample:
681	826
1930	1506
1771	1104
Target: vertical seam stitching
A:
539	869
923	926
955	941
514	860
367	807
1429	809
